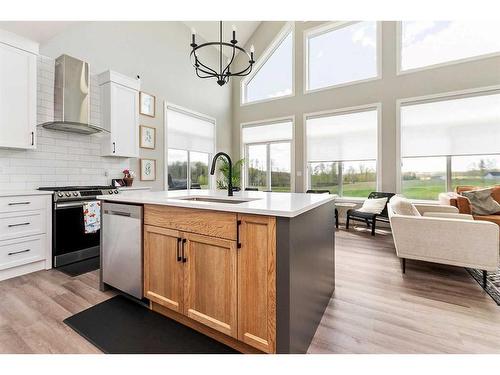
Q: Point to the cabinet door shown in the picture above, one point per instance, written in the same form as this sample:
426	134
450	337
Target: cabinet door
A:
124	121
17	98
163	267
210	282
257	282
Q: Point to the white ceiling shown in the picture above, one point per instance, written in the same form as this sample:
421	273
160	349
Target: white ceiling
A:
39	31
43	31
209	30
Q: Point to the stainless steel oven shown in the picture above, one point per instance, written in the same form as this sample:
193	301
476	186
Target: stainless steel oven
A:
70	243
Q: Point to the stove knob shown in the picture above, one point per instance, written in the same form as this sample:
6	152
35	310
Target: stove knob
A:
59	195
75	194
68	194
116	191
110	191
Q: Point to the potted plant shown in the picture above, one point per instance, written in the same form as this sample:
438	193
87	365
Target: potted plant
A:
224	171
128	177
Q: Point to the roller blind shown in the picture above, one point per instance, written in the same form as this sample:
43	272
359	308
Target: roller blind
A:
186	131
342	137
270	132
462	126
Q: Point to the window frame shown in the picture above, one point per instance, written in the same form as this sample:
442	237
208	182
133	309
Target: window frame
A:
331	26
399	56
289	27
243	148
429	99
166	105
342	111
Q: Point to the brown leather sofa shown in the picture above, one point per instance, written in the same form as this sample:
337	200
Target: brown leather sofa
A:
463	204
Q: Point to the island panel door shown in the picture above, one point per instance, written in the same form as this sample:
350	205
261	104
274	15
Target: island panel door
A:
210	295
163	267
257	282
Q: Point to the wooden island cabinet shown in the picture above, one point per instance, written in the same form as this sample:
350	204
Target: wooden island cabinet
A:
201	266
256	275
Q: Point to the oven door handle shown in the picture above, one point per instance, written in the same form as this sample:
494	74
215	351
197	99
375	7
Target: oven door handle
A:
70	204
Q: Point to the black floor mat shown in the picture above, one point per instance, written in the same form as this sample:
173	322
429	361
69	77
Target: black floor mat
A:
79	268
121	326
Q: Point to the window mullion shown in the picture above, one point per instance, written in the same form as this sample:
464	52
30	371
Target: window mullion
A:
268	147
188	175
340	179
449	185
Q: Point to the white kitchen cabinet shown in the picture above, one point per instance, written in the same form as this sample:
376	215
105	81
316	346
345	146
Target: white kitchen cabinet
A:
119	114
17	91
25	233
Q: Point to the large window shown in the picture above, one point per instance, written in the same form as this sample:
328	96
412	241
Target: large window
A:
273	72
342	151
449	142
191	144
427	43
341	53
268	155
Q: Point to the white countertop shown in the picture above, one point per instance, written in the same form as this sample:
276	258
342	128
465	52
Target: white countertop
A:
11	193
272	204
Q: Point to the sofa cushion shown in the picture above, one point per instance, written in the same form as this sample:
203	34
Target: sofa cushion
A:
482	202
493	218
495	193
402	206
373	206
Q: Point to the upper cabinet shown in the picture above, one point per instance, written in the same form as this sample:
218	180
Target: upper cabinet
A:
17	91
119	114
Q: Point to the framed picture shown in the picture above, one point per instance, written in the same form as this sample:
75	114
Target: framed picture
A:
147	105
148	169
147	137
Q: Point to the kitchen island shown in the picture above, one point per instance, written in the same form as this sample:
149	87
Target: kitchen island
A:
255	271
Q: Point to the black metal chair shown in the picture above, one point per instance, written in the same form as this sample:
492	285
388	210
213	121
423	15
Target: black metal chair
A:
251	189
316	191
369	218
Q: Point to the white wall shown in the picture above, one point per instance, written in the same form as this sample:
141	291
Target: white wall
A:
478	73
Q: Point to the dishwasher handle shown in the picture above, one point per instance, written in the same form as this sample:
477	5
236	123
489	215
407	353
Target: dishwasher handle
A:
119	213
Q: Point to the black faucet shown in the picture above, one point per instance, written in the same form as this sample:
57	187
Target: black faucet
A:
230	177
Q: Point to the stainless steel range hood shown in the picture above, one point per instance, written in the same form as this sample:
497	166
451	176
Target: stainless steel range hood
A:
72	97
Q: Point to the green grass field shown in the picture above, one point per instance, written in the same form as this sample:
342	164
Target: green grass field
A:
430	189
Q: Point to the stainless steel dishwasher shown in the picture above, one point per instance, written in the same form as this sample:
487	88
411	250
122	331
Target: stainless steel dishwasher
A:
121	247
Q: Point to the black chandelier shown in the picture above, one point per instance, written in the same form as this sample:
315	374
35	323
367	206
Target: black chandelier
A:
224	70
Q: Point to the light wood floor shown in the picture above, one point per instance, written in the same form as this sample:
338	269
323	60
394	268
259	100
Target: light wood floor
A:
432	309
375	309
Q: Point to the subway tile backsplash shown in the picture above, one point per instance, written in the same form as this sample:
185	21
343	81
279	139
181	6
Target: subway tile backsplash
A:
60	158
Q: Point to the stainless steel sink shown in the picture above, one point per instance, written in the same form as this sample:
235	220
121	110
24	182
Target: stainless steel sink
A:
215	200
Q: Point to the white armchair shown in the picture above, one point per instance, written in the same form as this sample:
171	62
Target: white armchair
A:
442	235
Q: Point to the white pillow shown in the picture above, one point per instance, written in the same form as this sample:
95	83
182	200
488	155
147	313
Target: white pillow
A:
373	206
402	206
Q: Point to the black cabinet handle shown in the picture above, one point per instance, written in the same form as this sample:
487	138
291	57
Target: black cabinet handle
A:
32	138
238	244
18	203
19	252
114	147
17	225
179	241
184	259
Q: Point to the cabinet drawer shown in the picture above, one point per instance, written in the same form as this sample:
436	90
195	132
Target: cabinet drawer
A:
21	251
21	224
22	203
206	222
